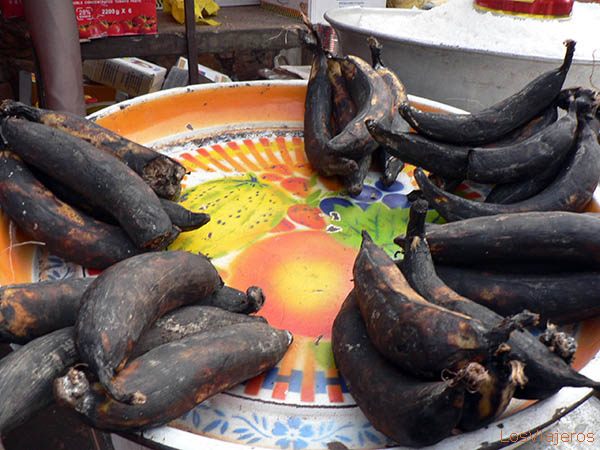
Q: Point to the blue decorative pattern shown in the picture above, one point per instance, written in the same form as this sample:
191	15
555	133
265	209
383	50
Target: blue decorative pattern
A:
291	433
52	267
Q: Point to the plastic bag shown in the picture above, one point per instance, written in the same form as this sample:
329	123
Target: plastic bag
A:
202	9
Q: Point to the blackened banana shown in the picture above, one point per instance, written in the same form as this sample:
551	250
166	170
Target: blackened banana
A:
421	338
570	239
517	191
497	388
32	310
545	371
449	161
504	372
492	123
124	300
162	173
572	189
406	409
176	376
317	116
186	321
181	217
236	301
526	158
26	376
392	165
373	102
483	164
355	182
96	175
567	297
446	184
65	231
534	126
344	108
586	100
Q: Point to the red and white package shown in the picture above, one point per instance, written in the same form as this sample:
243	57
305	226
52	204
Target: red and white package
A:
11	8
99	18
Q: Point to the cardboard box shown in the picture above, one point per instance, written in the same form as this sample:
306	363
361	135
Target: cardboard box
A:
133	76
11	8
206	73
99	18
315	9
225	3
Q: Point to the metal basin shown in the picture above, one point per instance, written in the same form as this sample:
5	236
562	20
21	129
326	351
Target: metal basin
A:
468	79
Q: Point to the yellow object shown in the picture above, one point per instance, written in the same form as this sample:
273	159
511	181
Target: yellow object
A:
202	9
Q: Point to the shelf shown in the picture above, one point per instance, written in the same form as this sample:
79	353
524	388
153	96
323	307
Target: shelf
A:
242	28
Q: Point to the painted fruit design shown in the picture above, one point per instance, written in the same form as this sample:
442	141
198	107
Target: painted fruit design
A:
242	209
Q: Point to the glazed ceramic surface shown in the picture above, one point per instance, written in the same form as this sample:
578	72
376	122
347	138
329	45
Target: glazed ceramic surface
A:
276	224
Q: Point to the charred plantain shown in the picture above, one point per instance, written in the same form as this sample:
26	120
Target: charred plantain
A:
355	182
26	376
506	193
344	108
567	297
503	373
494	122
163	174
373	102
421	338
96	175
449	161
175	377
65	231
560	237
124	300
236	301
182	218
526	158
496	389
504	164
534	126
545	371
317	116
571	190
31	310
392	165
186	321
408	410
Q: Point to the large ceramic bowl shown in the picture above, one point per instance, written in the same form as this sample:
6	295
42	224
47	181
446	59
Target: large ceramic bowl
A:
459	76
276	224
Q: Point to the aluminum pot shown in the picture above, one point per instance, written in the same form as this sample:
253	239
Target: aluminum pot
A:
467	79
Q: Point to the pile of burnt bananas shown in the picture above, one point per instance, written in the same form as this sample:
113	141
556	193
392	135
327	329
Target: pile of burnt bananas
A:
546	262
421	360
343	94
91	196
136	347
532	160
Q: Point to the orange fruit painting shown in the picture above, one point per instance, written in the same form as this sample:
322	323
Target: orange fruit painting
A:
304	275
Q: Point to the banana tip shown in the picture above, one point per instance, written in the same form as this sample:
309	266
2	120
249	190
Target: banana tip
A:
366	237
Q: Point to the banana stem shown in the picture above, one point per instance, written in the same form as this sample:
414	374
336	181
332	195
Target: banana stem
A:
501	332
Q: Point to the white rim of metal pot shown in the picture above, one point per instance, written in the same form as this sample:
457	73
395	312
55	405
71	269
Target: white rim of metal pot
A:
334	16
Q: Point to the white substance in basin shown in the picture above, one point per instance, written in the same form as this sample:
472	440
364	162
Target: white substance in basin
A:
458	24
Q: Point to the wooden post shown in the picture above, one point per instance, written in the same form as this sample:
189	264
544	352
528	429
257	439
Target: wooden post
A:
190	35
